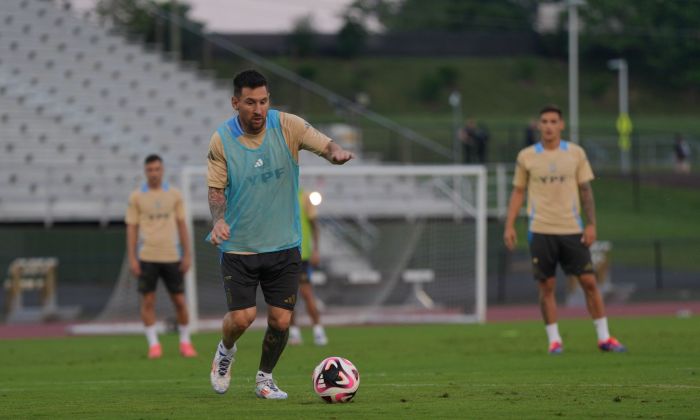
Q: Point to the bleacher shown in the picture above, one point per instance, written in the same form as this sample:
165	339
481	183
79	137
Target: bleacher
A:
80	107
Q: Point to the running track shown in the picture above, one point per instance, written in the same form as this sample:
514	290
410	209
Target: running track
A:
494	314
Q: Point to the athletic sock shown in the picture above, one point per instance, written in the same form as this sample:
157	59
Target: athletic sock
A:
184	333
224	350
601	328
151	335
553	333
262	376
294	331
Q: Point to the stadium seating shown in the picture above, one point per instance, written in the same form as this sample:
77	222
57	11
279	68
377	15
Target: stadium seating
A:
81	107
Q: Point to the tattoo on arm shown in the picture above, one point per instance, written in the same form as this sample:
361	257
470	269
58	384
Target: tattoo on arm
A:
587	202
217	204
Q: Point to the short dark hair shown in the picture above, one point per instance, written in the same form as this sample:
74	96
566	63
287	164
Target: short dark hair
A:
551	108
248	78
152	158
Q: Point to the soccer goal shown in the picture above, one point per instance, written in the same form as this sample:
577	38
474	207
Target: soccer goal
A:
398	244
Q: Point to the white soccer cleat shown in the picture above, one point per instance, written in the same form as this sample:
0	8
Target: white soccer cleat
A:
221	370
268	390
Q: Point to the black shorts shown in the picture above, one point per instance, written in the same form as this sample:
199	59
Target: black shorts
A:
549	250
305	273
276	272
169	272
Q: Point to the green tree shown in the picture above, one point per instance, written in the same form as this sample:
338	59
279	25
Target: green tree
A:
449	15
149	20
660	38
352	38
302	39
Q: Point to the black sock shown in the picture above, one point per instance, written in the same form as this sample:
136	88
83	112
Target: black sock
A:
272	347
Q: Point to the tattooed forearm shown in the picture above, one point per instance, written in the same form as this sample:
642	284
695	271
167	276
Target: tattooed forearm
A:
587	202
217	204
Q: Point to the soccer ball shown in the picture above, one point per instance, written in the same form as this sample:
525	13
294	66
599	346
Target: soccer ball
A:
336	380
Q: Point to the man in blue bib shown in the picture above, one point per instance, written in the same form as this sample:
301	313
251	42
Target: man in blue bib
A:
253	179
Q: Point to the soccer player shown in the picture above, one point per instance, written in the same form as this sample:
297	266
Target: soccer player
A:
556	174
253	179
154	215
310	259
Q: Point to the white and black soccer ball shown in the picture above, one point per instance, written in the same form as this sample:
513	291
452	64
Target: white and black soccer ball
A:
336	380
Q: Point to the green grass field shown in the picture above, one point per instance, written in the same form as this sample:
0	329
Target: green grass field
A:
439	371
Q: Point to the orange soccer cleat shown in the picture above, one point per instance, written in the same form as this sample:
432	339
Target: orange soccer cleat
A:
155	351
187	350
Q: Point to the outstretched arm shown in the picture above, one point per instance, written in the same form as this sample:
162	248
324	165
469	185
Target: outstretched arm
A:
217	207
588	204
510	237
336	154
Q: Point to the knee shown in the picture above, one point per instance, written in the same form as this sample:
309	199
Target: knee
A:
546	289
588	283
239	322
180	304
148	302
280	323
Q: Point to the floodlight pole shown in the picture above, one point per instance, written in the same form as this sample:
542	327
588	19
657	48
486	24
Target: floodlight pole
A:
573	68
624	124
455	101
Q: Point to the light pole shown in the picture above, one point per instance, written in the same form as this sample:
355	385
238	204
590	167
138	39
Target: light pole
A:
624	123
573	68
455	101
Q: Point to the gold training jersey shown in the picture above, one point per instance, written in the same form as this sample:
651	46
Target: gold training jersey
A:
552	178
156	213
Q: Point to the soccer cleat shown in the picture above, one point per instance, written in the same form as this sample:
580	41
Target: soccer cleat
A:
268	390
320	338
611	345
294	336
221	371
556	348
155	351
187	350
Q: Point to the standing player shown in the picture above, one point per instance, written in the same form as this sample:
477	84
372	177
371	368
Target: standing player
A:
310	259
155	213
253	179
555	173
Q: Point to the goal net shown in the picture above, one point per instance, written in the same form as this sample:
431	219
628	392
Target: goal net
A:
397	244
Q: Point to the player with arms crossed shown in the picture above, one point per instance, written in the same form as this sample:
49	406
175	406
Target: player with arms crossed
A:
556	173
155	212
253	179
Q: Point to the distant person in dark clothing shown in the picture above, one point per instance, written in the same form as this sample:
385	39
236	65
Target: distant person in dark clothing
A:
681	149
474	142
482	141
531	133
468	135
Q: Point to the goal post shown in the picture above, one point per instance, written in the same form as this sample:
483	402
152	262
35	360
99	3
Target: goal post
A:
188	173
398	244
